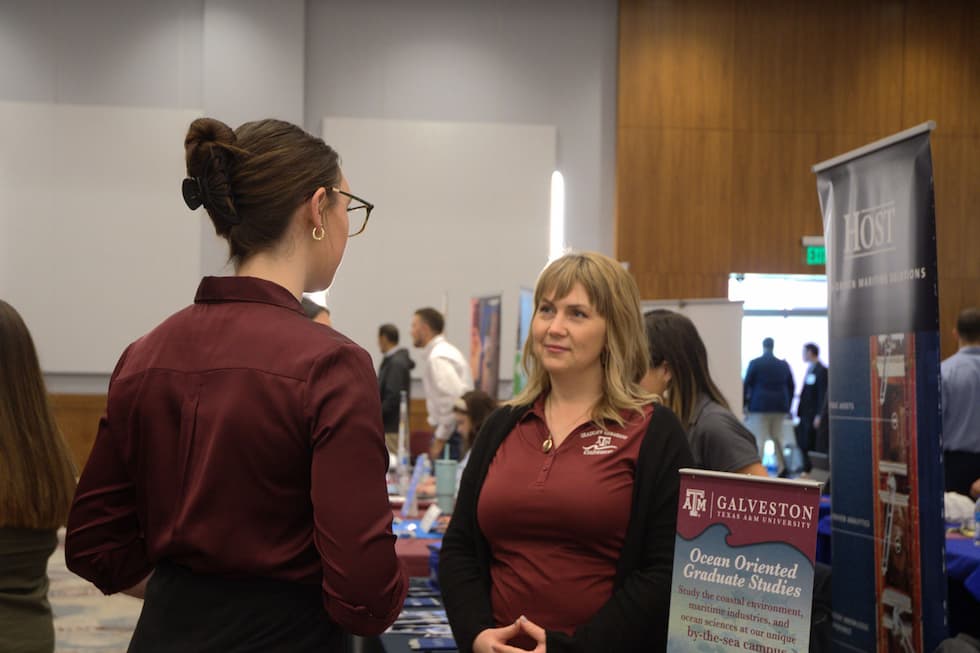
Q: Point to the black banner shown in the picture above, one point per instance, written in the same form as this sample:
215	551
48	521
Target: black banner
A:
886	471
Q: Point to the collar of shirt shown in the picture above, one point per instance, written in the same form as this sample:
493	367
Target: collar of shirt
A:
537	411
972	350
427	350
218	290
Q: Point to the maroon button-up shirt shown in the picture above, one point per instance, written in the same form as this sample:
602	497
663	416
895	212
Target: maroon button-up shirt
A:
241	439
556	521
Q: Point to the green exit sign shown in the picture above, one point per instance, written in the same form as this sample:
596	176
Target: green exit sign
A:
816	255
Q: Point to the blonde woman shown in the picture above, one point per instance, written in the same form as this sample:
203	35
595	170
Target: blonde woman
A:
37	480
563	534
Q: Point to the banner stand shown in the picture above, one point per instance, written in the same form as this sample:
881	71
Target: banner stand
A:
888	544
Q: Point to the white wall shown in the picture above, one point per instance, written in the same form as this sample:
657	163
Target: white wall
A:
106	52
122	53
254	67
94	247
550	62
421	176
719	323
501	61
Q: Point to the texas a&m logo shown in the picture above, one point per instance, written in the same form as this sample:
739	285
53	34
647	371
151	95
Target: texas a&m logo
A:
694	502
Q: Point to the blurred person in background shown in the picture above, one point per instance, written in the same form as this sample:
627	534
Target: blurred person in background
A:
768	391
813	395
37	481
394	377
446	375
961	405
317	313
679	373
470	410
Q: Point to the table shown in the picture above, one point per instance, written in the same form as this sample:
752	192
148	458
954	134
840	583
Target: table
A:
962	572
963	563
414	553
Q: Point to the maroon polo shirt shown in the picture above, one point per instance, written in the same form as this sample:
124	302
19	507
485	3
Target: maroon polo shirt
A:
242	439
556	521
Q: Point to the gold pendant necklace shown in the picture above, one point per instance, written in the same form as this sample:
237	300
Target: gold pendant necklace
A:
549	442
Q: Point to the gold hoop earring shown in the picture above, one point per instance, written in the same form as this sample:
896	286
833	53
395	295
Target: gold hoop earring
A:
321	234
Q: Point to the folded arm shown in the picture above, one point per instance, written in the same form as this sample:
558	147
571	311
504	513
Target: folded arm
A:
104	542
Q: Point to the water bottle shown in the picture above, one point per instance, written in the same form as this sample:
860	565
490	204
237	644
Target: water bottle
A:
404	475
976	523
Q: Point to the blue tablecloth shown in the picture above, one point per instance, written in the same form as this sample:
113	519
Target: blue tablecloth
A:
963	563
962	557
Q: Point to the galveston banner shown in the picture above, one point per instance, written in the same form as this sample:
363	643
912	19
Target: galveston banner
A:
743	564
889	584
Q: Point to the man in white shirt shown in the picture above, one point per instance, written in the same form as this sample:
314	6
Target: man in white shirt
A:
445	375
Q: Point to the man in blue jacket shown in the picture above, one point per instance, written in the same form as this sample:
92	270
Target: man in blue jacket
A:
768	388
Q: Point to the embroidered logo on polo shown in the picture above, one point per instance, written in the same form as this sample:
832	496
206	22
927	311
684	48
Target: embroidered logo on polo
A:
603	445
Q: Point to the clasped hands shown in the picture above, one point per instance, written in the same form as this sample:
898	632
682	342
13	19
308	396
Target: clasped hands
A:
494	640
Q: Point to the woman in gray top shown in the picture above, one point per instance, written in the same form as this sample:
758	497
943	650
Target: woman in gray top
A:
679	374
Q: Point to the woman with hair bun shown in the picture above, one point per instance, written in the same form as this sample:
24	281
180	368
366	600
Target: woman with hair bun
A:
241	464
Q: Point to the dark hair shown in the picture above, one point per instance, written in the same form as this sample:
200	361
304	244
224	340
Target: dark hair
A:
37	476
673	339
479	405
390	333
812	348
251	179
433	318
768	344
312	309
968	325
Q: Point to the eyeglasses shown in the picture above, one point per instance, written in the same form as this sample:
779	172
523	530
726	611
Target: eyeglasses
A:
358	212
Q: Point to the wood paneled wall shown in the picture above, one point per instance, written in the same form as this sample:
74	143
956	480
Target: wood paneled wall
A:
78	418
724	105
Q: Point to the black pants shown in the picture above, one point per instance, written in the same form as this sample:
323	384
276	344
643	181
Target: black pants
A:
192	613
806	439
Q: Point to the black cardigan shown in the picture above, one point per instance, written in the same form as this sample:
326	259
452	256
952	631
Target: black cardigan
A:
635	617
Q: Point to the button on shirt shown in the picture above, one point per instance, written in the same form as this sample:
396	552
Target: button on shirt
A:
556	521
242	439
961	400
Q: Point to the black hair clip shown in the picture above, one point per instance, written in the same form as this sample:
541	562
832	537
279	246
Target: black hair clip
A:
194	192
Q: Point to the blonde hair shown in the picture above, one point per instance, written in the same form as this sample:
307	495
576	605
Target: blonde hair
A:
625	359
37	476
